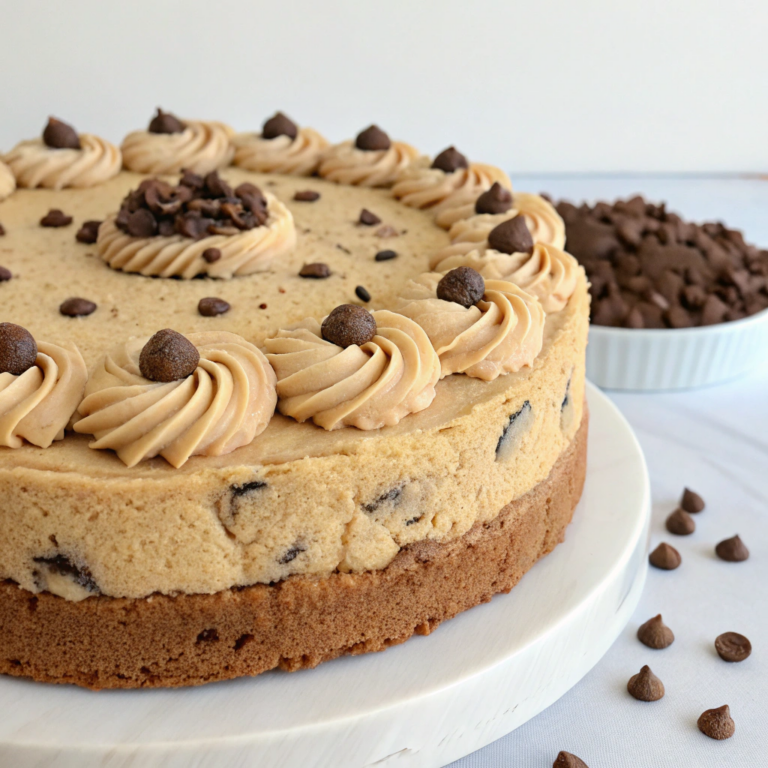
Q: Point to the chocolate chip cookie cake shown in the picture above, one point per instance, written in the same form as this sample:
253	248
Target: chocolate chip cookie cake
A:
266	400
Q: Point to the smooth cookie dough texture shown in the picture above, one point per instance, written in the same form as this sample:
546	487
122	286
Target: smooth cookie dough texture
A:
352	472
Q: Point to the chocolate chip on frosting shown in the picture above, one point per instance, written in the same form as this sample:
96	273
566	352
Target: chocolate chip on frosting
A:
495	200
5	275
279	125
567	760
733	647
691	501
55	218
349	324
385	255
462	285
665	557
680	523
165	122
88	232
368	219
141	223
211	255
511	236
317	271
732	550
450	160
306	196
168	356
645	686
372	139
717	723
18	349
362	293
655	634
212	306
59	135
77	307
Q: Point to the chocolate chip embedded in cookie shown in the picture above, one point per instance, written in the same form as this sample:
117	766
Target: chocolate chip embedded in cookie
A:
462	285
88	232
168	356
450	160
55	218
368	219
59	135
495	200
363	293
279	125
372	139
18	349
511	236
387	255
165	122
349	324
77	307
212	306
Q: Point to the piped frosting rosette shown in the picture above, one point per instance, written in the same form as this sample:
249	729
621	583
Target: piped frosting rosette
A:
500	334
367	386
223	404
547	272
7	181
200	146
449	194
63	158
544	224
36	405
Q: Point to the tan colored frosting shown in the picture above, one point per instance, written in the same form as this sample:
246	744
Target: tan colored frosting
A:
37	405
223	405
298	157
202	147
500	334
471	234
7	181
368	387
451	196
346	164
249	251
36	165
548	273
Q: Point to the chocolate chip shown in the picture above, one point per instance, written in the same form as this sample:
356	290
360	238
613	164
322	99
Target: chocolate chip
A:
141	223
514	427
307	196
655	634
5	275
497	199
63	565
450	160
58	135
211	255
77	307
211	306
191	180
731	646
680	523
18	349
368	219
372	139
217	187
55	218
349	324
462	285
362	294
717	723
511	236
279	125
732	550
88	232
568	760
317	271
665	557
208	636
2	230
385	255
645	686
691	501
292	554
387	230
394	495
165	122
262	306
247	488
168	356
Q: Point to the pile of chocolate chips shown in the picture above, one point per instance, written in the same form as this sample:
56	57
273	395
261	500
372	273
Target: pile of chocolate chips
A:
651	269
196	207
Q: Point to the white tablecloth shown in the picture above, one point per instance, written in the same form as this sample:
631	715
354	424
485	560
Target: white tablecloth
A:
715	441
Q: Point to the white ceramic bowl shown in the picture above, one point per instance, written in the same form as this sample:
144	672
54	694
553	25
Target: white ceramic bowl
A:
676	358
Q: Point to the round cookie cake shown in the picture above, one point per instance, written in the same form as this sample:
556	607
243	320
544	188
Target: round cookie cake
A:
263	414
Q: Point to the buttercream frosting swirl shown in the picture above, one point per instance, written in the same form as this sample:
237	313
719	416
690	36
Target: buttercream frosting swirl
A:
203	146
298	157
222	406
368	387
451	196
249	251
346	164
7	181
500	334
544	224
548	273
37	405
36	165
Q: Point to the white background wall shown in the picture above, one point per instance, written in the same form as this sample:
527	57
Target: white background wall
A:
543	85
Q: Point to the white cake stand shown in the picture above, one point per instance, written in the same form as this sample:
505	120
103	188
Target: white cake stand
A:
424	703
